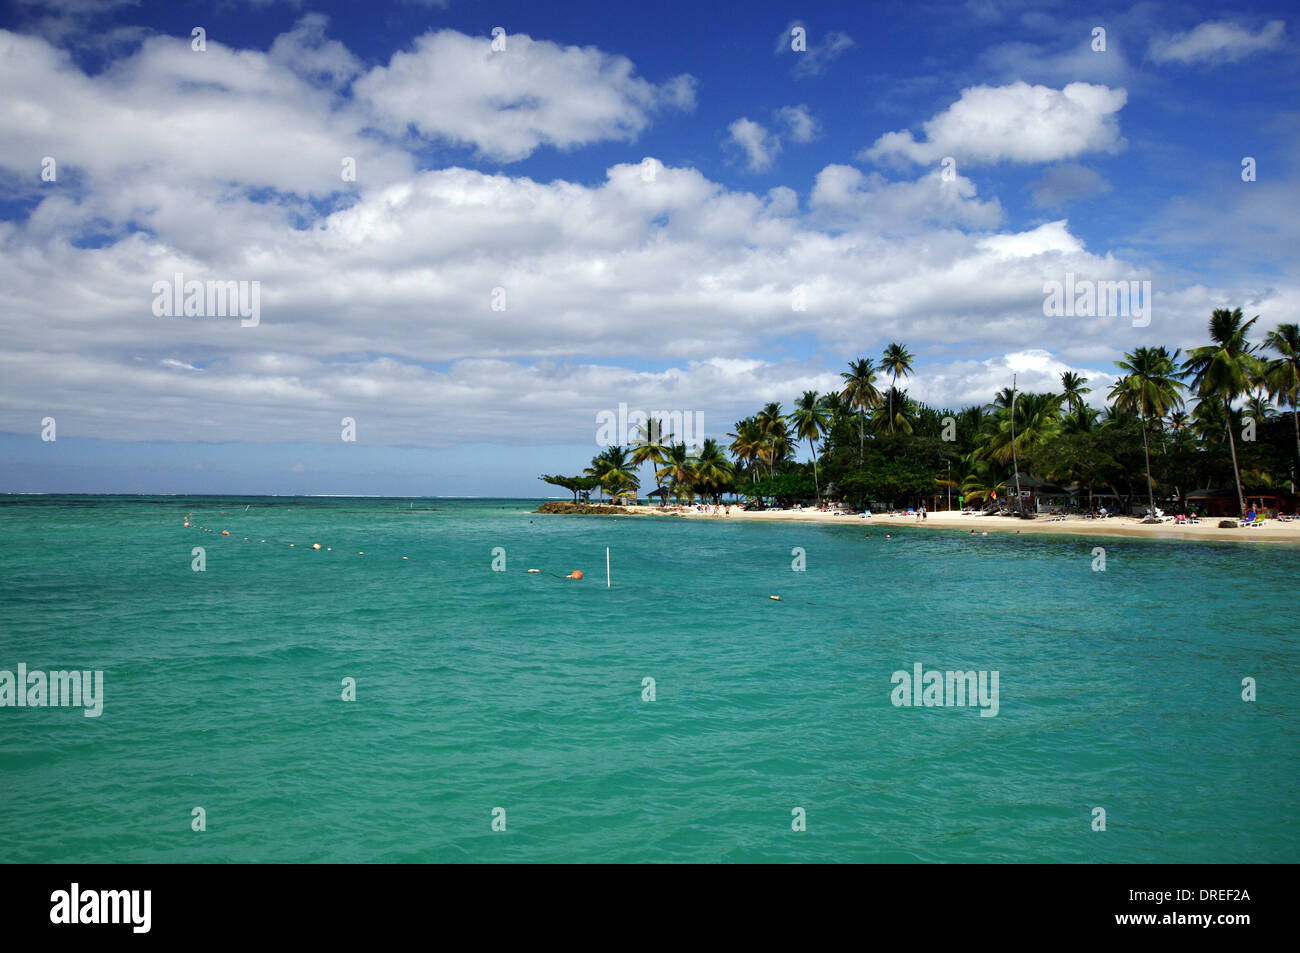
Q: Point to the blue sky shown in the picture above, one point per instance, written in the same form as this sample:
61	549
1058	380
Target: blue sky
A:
645	186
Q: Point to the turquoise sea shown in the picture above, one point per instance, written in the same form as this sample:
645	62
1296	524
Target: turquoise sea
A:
478	689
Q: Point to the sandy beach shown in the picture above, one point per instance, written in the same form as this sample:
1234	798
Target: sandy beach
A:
1272	531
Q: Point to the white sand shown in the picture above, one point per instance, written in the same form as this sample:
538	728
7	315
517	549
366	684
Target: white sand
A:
1208	529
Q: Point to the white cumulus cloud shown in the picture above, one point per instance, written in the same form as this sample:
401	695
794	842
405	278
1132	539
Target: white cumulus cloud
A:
1014	123
1217	41
758	146
508	103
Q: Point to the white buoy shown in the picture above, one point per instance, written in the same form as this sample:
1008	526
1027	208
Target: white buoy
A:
606	567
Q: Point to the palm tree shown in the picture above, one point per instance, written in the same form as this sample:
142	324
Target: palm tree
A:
712	471
901	419
810	420
1151	387
860	394
1222	371
1037	421
897	362
1257	408
1003	398
1073	390
984	478
649	446
771	420
1283	373
748	447
613	470
834	405
677	467
1209	423
1082	419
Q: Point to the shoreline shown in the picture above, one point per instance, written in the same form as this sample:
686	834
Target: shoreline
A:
1124	527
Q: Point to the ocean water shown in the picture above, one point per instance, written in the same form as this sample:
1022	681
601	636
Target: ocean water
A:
478	690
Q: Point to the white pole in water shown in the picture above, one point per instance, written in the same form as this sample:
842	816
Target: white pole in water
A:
606	567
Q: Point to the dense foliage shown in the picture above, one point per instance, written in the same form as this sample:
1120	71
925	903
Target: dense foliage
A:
1171	424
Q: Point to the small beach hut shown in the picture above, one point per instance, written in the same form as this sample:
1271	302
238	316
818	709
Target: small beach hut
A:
1212	502
1037	493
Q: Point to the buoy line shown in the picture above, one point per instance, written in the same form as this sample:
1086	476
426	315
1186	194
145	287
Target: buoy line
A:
575	575
315	547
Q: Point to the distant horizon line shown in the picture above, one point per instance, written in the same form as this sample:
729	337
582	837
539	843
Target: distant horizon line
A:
285	496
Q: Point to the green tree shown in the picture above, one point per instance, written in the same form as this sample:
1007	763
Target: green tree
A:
649	447
776	441
897	362
712	472
573	484
613	471
1223	371
1072	390
1037	421
677	468
810	420
1151	387
861	395
749	445
1283	373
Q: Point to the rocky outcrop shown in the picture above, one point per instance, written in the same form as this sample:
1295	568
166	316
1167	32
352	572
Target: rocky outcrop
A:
597	509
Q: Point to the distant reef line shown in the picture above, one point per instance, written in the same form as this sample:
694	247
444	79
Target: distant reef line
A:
590	509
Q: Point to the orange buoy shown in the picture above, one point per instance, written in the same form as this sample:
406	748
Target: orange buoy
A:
225	532
576	574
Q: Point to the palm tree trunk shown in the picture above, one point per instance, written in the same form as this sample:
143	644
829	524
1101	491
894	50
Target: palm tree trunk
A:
816	481
1146	450
1232	444
862	436
1295	417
